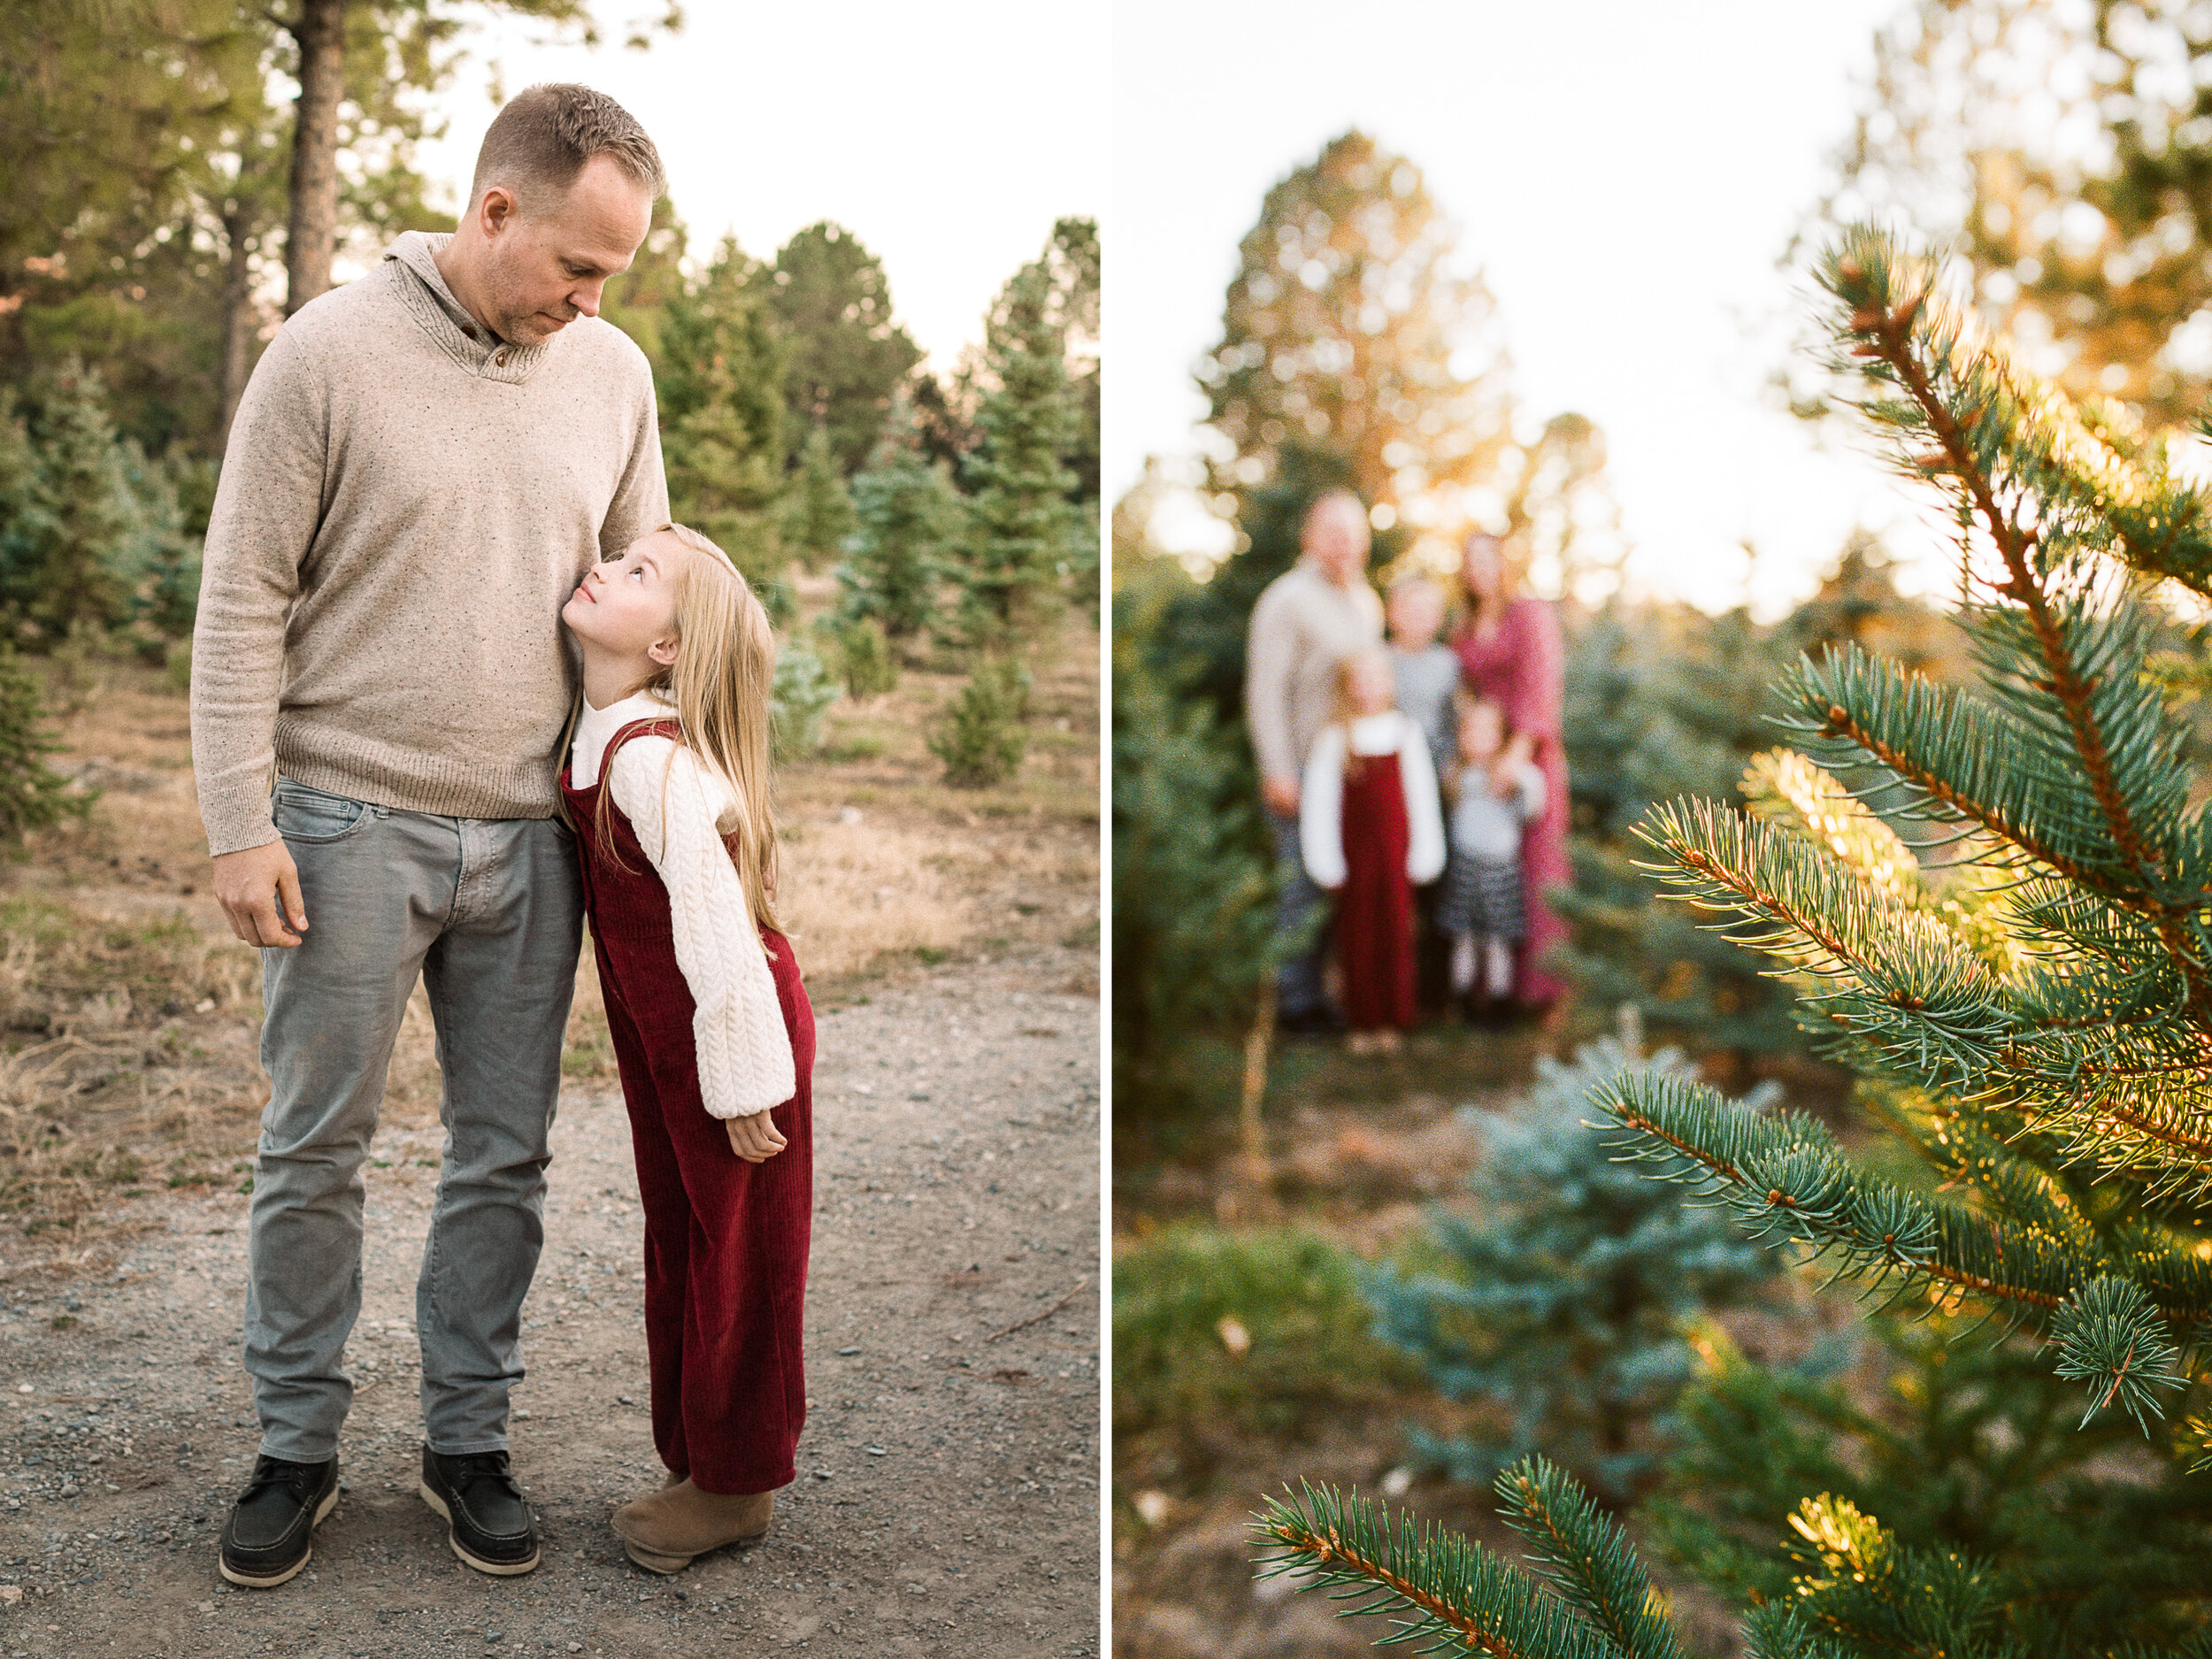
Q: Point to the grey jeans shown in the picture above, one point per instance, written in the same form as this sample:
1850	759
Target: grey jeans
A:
1298	982
489	912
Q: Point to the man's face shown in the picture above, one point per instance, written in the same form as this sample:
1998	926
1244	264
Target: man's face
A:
1336	537
546	268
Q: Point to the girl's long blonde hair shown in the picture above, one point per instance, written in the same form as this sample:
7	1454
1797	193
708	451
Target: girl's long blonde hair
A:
721	683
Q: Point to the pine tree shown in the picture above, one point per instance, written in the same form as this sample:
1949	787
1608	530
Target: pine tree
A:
719	379
1024	532
907	519
819	514
1563	1306
93	535
1193	899
801	695
1349	328
979	734
2041	1050
848	356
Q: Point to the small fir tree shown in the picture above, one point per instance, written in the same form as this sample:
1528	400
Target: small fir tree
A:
1025	534
819	514
32	794
799	698
2041	1052
979	734
864	662
1194	896
1563	1316
906	518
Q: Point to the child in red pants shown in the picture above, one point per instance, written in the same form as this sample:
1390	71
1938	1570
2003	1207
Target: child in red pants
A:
1371	830
667	788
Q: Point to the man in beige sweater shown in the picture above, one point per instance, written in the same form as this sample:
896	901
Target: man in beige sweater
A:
426	463
1306	621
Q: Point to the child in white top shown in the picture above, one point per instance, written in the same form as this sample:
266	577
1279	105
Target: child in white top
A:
667	789
1370	828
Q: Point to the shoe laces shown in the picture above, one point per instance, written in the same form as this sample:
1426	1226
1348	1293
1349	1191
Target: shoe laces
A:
269	1472
475	1467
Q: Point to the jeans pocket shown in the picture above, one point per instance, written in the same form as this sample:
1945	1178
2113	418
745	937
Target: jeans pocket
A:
316	816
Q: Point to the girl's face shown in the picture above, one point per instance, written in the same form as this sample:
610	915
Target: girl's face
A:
1372	688
1481	732
626	606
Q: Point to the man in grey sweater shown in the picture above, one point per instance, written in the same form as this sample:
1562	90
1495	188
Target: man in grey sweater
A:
425	465
1306	621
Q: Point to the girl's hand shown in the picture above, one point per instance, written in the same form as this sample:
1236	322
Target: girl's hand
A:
755	1137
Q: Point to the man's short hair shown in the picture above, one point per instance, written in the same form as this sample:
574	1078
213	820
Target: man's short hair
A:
541	140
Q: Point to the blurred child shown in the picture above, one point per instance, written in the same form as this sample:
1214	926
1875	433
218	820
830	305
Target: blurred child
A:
1482	910
1426	672
1370	826
1427	676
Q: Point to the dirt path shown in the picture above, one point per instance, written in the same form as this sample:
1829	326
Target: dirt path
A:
947	1501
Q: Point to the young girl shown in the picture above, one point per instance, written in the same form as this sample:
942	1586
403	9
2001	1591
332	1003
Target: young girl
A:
667	789
1482	910
1370	828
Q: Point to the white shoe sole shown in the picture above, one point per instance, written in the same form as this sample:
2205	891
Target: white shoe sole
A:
497	1569
248	1581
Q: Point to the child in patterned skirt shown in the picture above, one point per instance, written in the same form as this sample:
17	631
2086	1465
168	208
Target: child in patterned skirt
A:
1482	910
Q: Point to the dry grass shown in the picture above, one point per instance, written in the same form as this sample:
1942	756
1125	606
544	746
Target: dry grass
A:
129	1018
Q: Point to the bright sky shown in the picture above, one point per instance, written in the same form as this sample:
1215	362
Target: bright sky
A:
1625	175
946	138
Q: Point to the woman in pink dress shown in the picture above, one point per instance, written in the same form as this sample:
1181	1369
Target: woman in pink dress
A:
1510	651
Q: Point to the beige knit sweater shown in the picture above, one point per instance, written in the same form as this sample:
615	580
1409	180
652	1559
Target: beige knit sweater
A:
1302	627
403	510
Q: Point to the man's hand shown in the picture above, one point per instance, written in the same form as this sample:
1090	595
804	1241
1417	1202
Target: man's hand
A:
755	1137
1281	796
259	891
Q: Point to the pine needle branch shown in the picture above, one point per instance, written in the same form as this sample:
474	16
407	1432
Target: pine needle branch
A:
1915	342
1446	1594
1587	1557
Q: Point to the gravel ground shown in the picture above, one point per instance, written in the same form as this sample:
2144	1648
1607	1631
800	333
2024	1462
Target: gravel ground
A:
947	1501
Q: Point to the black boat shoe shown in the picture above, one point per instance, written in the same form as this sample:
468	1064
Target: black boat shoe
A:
492	1529
269	1536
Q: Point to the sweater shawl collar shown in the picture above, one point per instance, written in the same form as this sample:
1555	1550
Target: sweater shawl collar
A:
470	345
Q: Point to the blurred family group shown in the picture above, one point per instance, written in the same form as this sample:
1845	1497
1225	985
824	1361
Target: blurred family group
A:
1414	782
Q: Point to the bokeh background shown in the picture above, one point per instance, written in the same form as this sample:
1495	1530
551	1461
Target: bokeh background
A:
1546	271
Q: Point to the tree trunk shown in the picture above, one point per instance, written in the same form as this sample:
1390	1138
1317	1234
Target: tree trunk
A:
312	234
238	318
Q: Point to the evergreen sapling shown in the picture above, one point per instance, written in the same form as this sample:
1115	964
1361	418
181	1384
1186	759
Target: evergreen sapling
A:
1564	1313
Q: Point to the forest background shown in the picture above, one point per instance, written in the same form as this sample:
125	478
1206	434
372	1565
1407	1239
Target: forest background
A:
1409	1276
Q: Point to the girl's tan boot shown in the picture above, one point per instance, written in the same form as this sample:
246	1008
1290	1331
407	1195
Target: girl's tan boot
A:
665	1530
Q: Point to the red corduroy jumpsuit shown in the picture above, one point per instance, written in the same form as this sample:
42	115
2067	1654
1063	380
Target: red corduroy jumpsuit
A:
726	1241
1374	912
